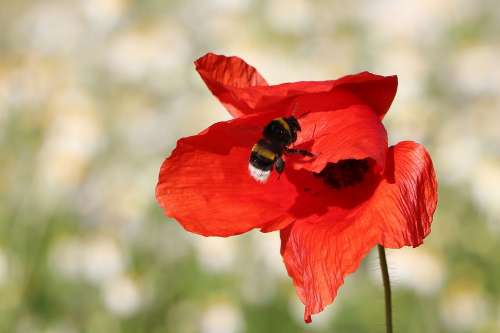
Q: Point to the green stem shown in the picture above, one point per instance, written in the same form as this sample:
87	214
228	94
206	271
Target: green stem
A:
387	288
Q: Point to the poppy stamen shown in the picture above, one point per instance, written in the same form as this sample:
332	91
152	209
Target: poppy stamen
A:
344	173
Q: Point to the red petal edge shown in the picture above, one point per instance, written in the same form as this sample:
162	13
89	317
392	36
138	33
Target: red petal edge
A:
407	198
242	90
319	253
224	75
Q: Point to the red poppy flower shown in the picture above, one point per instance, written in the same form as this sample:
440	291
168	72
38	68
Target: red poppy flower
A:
330	209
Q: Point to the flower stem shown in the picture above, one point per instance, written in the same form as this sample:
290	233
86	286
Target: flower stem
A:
387	288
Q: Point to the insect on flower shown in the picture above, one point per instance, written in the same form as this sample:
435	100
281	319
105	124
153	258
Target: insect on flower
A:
277	136
343	191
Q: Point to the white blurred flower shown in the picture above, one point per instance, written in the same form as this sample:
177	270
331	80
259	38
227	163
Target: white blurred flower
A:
409	121
264	270
290	16
275	66
73	137
464	310
410	67
122	296
266	247
222	318
413	268
230	5
486	188
457	156
407	20
32	82
215	254
335	56
99	260
485	122
103	13
102	260
155	52
476	69
51	27
117	196
193	117
145	130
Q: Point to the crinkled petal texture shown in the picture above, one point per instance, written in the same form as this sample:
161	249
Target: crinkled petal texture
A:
354	132
205	183
242	90
407	197
319	253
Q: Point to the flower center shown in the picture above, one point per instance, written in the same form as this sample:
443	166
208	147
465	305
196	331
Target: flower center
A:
344	173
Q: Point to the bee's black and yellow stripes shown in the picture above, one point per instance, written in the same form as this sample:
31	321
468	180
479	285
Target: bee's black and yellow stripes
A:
262	157
278	134
284	124
278	130
261	150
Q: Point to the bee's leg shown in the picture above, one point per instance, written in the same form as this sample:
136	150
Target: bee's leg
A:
279	164
299	152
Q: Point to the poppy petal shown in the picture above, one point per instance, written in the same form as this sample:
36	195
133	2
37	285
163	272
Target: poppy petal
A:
355	132
224	76
319	254
242	90
205	183
406	200
376	91
394	211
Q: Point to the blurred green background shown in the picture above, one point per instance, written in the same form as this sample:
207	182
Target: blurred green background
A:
94	94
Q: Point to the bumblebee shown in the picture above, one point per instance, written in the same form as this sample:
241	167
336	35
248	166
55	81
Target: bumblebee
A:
268	152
